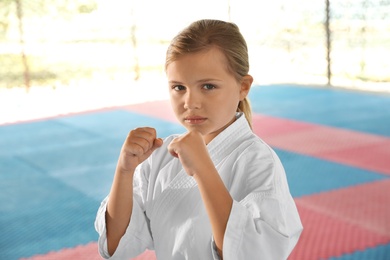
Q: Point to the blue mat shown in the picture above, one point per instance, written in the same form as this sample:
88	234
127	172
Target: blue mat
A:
359	111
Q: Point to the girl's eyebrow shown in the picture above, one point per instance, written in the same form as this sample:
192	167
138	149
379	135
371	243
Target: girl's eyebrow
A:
175	82
199	81
207	80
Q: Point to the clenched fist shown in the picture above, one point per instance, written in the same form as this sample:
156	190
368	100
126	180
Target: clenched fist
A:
138	146
192	152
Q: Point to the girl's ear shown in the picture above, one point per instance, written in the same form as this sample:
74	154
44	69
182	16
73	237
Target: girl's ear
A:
246	83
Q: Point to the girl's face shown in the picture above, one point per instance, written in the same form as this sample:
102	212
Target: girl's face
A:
204	95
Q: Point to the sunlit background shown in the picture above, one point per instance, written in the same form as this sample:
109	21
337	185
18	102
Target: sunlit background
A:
73	55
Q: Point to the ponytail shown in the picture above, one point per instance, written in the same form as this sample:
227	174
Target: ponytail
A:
245	107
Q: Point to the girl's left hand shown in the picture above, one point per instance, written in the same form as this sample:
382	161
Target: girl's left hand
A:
192	152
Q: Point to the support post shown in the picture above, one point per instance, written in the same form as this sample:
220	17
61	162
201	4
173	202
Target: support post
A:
26	69
328	43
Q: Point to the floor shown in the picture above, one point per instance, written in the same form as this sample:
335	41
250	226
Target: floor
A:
334	144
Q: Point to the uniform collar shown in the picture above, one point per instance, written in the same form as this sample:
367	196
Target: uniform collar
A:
230	138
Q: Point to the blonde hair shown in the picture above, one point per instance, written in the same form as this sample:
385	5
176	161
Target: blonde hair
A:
205	34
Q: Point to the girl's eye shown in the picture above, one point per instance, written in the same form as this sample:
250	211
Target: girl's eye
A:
208	86
178	87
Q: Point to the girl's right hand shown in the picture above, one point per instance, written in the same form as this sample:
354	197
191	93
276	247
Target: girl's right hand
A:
138	146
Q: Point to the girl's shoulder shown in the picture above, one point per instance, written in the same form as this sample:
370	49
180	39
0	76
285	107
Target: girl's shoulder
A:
257	152
256	145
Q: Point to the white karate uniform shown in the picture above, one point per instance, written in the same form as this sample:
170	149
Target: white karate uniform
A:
169	215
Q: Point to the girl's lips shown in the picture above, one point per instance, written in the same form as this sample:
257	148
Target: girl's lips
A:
194	119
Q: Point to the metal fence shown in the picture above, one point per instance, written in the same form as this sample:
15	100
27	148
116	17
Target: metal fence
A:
60	42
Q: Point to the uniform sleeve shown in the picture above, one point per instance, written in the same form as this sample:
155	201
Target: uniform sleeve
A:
251	237
137	237
265	224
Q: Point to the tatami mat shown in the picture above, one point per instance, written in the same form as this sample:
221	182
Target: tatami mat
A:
334	144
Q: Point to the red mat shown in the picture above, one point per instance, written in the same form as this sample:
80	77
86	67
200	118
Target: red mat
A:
362	150
343	221
87	252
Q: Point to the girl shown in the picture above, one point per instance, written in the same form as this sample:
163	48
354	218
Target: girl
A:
217	191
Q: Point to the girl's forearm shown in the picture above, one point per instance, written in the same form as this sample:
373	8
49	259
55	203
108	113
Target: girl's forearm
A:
138	146
119	209
218	203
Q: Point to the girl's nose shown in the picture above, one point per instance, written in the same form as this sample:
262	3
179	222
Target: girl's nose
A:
192	101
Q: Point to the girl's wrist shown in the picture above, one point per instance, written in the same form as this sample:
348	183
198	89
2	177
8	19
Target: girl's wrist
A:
126	172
